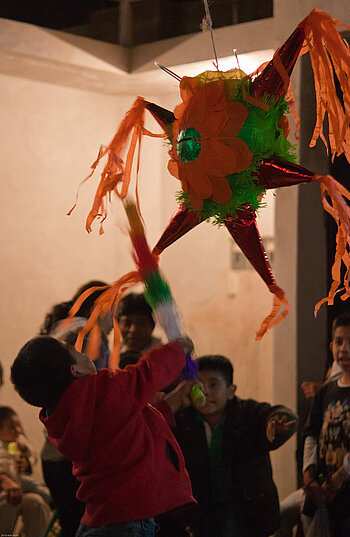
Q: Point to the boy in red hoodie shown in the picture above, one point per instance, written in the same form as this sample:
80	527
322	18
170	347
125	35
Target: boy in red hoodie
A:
123	452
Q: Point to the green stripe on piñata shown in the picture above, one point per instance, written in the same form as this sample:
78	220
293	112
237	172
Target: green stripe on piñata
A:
264	138
157	291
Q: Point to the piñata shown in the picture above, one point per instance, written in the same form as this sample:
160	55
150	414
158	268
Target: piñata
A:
229	145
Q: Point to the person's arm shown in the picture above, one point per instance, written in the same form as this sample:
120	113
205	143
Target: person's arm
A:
26	460
11	488
310	457
178	398
311	484
335	482
159	367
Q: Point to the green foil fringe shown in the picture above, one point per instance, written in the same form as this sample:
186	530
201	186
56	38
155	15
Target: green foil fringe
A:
264	138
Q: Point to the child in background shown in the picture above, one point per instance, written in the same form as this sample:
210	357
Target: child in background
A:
326	470
136	323
20	494
226	447
124	453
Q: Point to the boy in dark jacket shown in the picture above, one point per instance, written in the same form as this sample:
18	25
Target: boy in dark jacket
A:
326	470
123	451
226	447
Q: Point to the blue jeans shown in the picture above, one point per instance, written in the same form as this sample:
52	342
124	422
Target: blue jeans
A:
140	528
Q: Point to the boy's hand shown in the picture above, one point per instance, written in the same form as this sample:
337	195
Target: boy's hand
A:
335	482
12	489
186	343
310	388
276	426
180	396
317	493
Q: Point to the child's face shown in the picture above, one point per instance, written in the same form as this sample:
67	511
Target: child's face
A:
10	429
340	347
136	331
216	391
83	365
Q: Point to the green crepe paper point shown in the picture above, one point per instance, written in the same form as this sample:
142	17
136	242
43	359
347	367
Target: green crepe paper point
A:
197	396
264	138
157	291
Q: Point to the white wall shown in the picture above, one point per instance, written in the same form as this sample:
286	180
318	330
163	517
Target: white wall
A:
57	107
50	136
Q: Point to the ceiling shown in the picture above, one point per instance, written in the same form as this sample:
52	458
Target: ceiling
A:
132	22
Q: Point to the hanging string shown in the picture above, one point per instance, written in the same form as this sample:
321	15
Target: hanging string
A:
207	25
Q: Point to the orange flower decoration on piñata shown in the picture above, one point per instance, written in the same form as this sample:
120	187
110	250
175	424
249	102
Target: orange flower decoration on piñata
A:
205	147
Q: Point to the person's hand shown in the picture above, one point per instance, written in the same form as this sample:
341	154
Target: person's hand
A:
23	463
317	493
310	388
334	483
180	396
12	490
159	396
277	425
186	343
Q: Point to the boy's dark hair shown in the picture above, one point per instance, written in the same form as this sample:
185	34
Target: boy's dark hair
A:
135	303
61	310
41	372
5	413
57	313
340	320
217	362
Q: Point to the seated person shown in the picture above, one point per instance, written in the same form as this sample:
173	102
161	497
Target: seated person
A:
20	494
226	446
130	467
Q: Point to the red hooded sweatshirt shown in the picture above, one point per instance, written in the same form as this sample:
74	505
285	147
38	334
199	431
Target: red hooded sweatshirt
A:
123	452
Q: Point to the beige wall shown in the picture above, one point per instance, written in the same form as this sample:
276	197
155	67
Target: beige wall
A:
51	131
60	98
49	138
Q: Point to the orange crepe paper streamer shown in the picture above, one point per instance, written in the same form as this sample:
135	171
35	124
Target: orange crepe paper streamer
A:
271	320
339	210
115	172
105	303
328	51
255	101
289	95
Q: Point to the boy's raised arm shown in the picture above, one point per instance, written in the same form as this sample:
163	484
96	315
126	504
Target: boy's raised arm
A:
158	368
